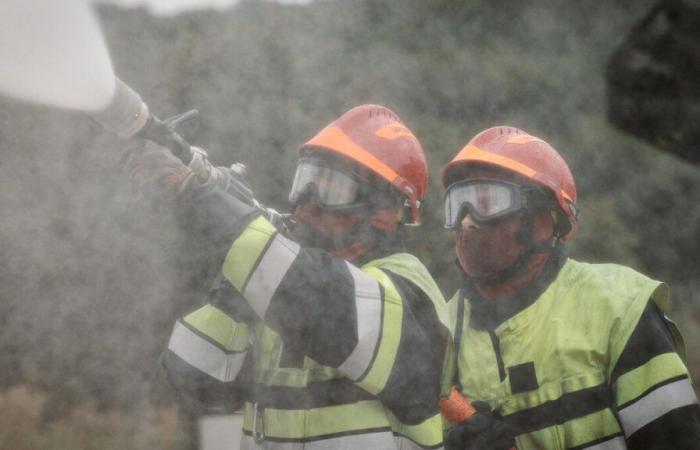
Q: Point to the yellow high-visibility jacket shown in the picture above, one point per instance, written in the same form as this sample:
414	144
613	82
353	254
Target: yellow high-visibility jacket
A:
590	363
337	356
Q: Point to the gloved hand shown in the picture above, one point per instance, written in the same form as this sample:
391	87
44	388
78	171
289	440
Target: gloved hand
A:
154	171
484	430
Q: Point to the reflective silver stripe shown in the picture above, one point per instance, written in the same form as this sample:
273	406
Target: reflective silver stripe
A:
368	303
657	403
267	276
203	355
616	443
384	440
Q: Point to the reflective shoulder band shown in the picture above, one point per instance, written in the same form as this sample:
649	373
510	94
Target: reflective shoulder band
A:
206	347
656	403
257	262
368	304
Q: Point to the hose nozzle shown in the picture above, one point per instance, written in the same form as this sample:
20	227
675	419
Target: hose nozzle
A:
126	114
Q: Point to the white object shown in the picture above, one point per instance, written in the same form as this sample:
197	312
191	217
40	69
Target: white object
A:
222	432
52	52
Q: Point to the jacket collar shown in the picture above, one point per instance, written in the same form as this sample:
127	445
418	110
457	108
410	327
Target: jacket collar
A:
488	314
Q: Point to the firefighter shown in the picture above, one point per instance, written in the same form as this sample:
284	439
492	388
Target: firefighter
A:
326	333
554	353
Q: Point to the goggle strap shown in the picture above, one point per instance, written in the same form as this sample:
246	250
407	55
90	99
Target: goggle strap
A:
406	188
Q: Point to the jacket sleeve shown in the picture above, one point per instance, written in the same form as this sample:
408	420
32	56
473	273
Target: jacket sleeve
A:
655	401
207	361
376	327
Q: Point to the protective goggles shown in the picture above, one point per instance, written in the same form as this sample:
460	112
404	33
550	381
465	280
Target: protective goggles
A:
485	200
329	187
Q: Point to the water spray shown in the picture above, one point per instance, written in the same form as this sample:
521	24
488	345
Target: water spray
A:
53	53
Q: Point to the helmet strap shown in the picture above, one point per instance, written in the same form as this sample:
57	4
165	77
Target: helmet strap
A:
562	226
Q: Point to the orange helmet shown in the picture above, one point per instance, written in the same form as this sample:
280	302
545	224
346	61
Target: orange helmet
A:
516	151
374	137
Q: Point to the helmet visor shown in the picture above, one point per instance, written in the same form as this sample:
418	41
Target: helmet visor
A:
329	187
485	200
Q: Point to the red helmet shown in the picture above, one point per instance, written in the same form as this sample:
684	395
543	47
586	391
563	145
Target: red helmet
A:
374	137
516	151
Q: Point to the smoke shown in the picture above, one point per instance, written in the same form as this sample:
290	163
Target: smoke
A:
53	53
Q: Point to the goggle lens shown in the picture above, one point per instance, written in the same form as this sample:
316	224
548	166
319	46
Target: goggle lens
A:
484	199
332	187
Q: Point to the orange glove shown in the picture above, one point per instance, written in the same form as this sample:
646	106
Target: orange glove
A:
475	427
456	408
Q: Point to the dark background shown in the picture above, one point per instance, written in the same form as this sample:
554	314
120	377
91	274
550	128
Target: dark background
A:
91	281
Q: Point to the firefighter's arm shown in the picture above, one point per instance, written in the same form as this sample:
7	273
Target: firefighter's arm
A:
212	216
207	361
655	400
375	327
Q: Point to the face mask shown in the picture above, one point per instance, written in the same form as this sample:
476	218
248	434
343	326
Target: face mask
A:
490	249
320	229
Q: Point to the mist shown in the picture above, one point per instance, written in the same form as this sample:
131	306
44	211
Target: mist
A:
92	279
